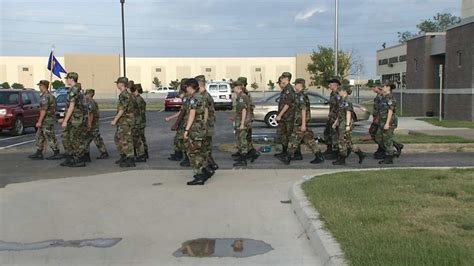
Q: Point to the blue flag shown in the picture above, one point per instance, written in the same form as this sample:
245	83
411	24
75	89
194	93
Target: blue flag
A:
57	68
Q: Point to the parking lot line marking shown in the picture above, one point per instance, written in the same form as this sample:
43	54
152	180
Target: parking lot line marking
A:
10	138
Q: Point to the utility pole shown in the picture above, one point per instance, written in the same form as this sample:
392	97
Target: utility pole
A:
336	38
122	2
441	92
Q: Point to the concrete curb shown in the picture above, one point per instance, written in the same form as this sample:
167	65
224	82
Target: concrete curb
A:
321	240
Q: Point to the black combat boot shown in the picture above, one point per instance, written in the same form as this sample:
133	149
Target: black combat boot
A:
388	160
328	149
318	158
128	162
284	152
78	162
185	162
87	157
123	157
286	160
56	156
298	156
103	156
399	147
176	156
38	155
199	180
140	159
242	160
212	164
68	161
340	161
253	155
236	155
361	155
379	152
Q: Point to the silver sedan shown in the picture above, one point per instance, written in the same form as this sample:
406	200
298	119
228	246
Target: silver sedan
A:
266	109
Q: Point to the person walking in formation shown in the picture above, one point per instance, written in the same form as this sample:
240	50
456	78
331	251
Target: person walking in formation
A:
253	154
330	133
344	124
45	124
195	133
138	146
93	132
142	107
301	132
379	154
124	120
74	124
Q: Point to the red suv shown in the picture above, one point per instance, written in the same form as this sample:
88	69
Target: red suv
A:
19	109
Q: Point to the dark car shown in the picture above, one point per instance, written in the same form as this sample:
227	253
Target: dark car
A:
172	101
61	100
19	109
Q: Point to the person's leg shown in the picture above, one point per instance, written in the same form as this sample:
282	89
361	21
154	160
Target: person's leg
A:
294	142
342	147
243	147
387	137
39	144
126	140
309	140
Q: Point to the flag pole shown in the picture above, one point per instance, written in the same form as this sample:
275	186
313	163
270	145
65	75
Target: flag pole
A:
51	70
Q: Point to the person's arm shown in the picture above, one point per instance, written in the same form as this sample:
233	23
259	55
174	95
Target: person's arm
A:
189	123
336	123
349	120
282	112
39	123
171	117
303	119
117	117
69	112
389	120
90	119
244	116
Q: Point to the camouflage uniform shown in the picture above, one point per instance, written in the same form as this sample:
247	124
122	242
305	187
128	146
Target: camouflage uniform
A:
208	102
285	125
138	126
345	136
46	132
123	135
73	135
375	114
243	101
94	133
178	143
331	134
385	137
302	104
197	133
142	107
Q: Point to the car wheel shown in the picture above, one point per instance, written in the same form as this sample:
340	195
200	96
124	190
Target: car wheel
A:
270	119
19	127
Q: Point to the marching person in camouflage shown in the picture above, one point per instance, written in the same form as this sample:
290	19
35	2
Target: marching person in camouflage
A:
45	124
379	154
286	115
344	124
142	106
124	121
138	145
388	122
178	141
73	124
210	119
331	136
301	132
93	132
195	133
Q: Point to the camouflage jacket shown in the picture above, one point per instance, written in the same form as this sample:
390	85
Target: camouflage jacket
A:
185	110
334	101
142	107
93	108
345	106
76	96
128	105
387	103
287	97
377	100
302	103
197	131
208	102
48	104
242	102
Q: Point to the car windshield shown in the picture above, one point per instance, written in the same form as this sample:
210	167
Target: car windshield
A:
9	98
223	88
172	94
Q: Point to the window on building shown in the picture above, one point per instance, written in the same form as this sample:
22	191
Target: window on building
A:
383	62
393	60
208	69
402	58
459	53
26	69
158	69
258	69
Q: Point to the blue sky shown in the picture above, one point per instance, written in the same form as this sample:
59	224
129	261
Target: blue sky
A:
209	27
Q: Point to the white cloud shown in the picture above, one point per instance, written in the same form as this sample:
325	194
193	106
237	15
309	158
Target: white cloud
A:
308	13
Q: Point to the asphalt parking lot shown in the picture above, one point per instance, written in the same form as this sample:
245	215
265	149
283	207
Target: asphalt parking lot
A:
16	167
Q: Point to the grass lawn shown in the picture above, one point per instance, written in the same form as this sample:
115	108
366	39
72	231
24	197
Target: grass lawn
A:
448	123
421	138
399	217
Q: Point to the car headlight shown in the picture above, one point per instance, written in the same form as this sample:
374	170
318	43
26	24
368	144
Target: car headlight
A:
3	112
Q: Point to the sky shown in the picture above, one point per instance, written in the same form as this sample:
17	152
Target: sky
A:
209	28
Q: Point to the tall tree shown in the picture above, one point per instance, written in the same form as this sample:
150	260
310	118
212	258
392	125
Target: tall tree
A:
58	84
156	82
439	23
321	67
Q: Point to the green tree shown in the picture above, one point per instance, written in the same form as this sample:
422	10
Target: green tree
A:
439	23
321	67
156	82
175	84
5	85
271	85
17	86
370	83
58	84
254	85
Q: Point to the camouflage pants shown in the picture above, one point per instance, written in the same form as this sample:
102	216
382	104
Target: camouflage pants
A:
284	131
207	145
94	135
385	137
331	136
373	133
196	154
46	134
178	141
73	138
307	137
249	137
124	140
138	144
143	138
241	136
345	142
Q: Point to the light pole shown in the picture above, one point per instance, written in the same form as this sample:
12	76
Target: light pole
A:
336	38
123	40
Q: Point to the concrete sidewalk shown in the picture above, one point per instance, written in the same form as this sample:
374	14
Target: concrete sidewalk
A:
153	212
411	124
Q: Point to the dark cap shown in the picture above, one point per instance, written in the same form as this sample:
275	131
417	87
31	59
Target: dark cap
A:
286	75
201	78
192	82
300	81
139	88
243	80
122	80
90	91
335	80
347	89
43	82
72	75
238	82
279	80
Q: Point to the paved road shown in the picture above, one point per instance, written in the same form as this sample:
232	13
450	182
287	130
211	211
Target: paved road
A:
15	167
